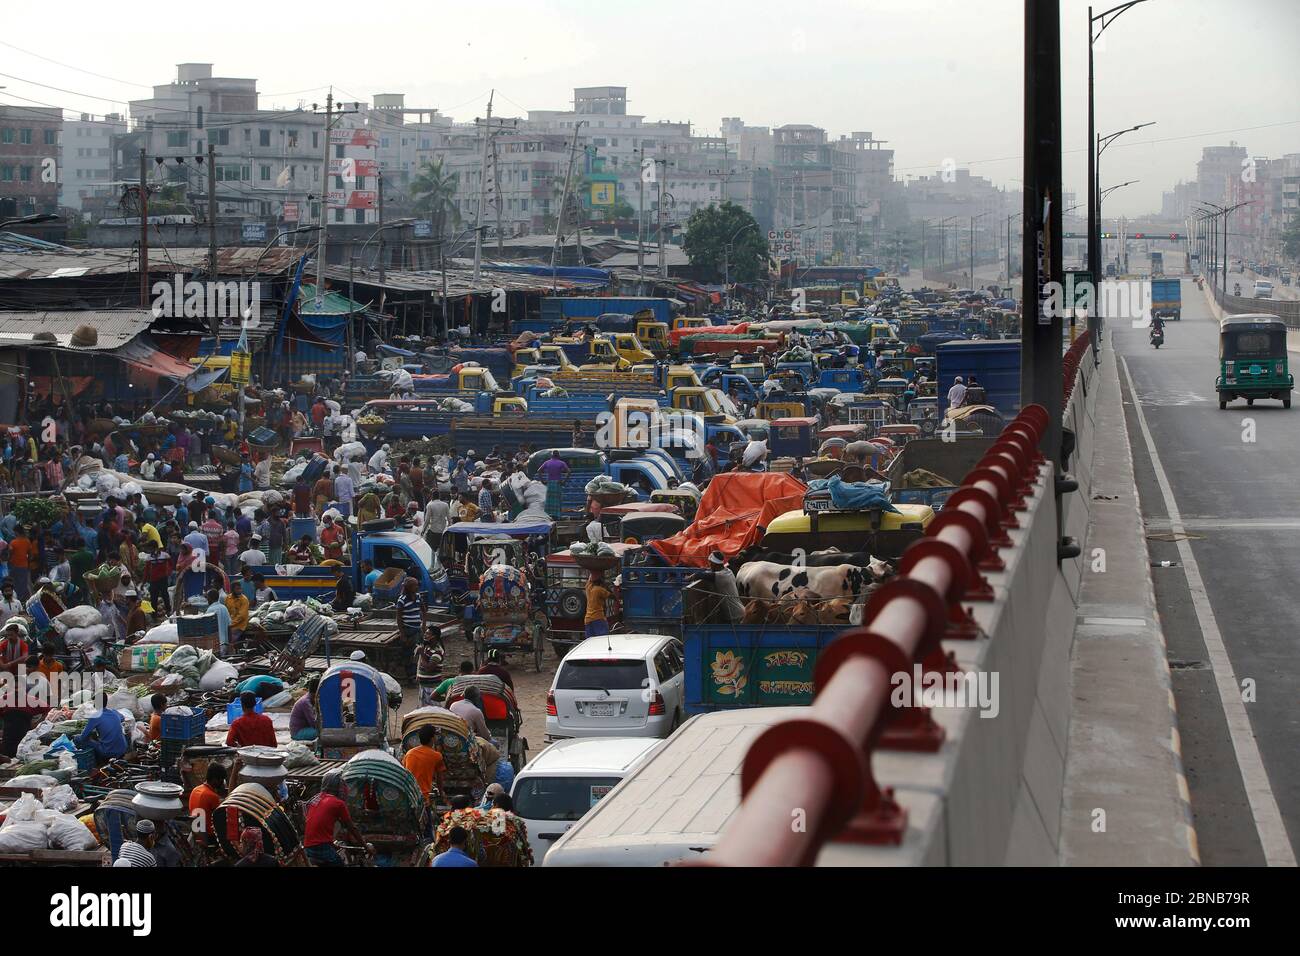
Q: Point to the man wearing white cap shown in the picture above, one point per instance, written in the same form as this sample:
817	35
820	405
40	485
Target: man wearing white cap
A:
722	582
148	467
253	556
137	852
957	394
196	539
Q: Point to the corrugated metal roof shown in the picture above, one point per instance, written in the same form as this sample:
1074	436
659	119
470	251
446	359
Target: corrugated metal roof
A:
116	327
241	260
460	282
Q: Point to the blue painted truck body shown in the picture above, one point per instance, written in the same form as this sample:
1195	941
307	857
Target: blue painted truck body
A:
994	362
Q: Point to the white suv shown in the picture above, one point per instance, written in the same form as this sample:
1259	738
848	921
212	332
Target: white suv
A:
564	781
619	685
1263	289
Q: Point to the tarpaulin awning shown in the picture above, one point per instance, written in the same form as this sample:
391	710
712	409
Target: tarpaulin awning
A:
203	377
735	509
141	353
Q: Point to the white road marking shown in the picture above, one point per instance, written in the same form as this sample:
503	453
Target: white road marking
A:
1228	524
1263	805
1115	621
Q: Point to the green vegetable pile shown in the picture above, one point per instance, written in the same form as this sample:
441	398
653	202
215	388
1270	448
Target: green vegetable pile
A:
42	512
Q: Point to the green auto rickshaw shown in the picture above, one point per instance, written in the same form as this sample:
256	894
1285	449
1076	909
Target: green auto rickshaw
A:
1253	360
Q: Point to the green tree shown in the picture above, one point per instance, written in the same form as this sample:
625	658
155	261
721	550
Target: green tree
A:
1291	237
711	230
434	191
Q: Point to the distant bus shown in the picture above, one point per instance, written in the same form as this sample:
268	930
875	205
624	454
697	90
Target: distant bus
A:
1157	263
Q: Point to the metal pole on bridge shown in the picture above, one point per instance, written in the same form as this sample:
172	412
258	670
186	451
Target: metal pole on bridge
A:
1041	363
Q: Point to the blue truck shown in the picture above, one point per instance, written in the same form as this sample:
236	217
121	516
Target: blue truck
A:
1167	299
631	386
557	310
463	384
389	548
995	363
642	470
730	666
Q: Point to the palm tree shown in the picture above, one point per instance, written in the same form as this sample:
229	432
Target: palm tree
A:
434	190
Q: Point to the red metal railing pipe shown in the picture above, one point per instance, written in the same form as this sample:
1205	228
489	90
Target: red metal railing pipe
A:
803	778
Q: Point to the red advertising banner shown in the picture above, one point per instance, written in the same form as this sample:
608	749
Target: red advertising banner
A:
354	137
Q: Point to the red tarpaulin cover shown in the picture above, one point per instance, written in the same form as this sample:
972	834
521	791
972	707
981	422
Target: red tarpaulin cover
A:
734	509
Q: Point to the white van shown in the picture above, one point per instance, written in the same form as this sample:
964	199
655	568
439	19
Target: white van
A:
558	786
1263	289
674	804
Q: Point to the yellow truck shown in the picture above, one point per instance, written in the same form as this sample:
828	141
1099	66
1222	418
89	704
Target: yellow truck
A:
620	349
551	356
878	284
706	401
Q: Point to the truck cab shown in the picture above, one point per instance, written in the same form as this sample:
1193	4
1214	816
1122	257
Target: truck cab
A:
706	401
689	322
628	347
874	287
653	335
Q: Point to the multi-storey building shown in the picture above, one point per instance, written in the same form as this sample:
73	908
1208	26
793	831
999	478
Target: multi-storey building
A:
268	162
86	179
1217	171
29	160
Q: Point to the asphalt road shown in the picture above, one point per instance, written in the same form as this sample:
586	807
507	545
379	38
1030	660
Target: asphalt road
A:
1239	503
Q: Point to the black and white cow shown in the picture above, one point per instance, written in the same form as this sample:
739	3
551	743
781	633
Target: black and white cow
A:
772	582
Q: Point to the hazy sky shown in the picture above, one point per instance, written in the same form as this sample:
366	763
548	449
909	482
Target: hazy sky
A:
936	78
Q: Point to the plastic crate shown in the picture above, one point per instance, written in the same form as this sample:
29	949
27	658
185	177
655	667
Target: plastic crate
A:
653	592
171	751
85	760
196	625
180	727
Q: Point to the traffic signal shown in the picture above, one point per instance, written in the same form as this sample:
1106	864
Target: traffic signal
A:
1139	235
1174	235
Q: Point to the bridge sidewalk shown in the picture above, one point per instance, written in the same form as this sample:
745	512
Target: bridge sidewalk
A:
1125	800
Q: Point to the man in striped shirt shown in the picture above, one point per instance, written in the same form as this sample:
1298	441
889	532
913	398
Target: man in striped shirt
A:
137	852
411	612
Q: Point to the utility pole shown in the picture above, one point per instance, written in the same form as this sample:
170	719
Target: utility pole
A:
640	224
442	265
972	251
923	225
144	234
482	191
564	201
212	211
379	181
663	262
324	193
496	191
1040	365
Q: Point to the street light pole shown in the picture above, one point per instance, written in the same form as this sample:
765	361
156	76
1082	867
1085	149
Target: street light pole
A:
972	246
943	242
1106	18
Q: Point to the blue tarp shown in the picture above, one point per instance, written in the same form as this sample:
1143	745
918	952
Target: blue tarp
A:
385	349
855	495
331	329
571	273
202	379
